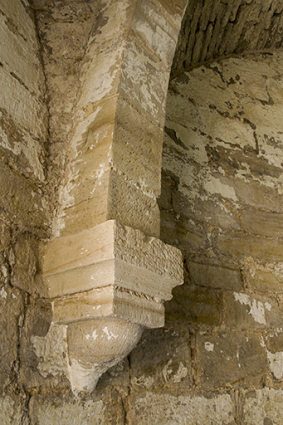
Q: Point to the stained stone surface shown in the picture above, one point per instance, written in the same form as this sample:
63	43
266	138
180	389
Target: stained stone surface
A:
83	87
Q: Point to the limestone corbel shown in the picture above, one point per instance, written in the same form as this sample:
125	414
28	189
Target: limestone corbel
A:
107	284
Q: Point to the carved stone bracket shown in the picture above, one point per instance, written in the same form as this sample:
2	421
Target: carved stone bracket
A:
107	284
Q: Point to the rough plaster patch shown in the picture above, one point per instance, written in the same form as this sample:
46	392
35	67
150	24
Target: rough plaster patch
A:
181	373
256	307
52	350
109	334
215	186
3	293
4	271
209	346
276	363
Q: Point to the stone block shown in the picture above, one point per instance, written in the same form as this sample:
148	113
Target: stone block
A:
144	80
191	236
258	195
266	281
195	304
26	270
215	212
137	148
132	206
240	245
5	236
152	24
107	302
92	140
244	311
48	410
263	406
11	411
112	241
115	18
169	409
21	204
100	77
11	313
108	260
162	360
262	223
34	360
274	341
88	213
215	276
228	358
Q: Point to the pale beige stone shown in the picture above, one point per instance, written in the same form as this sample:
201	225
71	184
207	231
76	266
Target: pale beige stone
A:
263	406
109	302
169	409
127	276
95	346
45	412
10	412
110	241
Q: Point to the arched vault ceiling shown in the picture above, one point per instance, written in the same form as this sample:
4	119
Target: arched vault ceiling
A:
215	28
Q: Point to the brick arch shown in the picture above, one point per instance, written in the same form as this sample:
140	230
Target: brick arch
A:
212	30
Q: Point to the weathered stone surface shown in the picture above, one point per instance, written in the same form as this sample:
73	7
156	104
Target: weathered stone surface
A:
195	304
137	148
57	409
127	276
189	236
131	206
158	29
23	113
113	241
88	213
43	349
25	258
273	343
22	203
46	411
257	195
110	301
262	223
96	345
165	408
240	245
10	411
240	358
211	30
266	280
214	276
248	311
162	361
144	80
223	165
263	407
11	313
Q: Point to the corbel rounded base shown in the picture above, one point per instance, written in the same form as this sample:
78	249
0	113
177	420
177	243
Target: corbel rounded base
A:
96	345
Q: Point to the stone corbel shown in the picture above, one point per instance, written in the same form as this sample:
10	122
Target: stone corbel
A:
107	284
